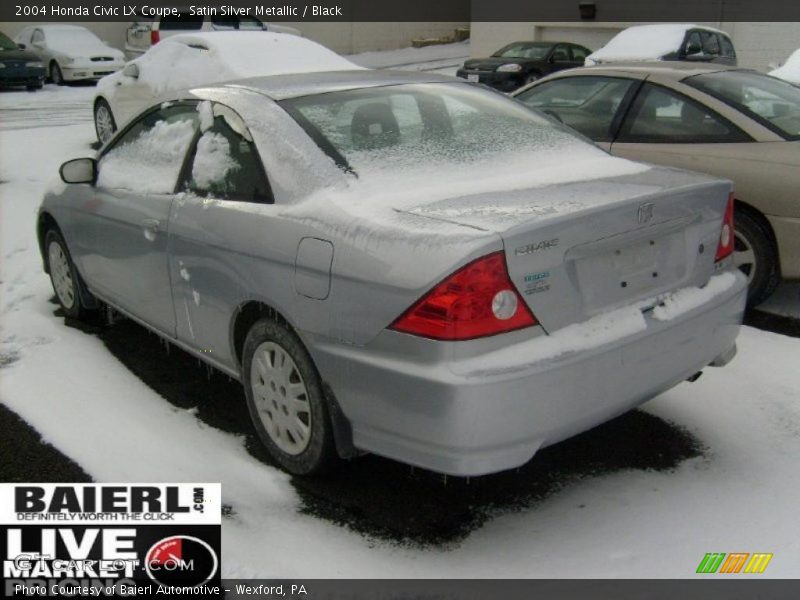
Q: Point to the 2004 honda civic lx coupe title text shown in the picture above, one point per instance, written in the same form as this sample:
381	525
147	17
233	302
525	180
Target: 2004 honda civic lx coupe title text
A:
397	263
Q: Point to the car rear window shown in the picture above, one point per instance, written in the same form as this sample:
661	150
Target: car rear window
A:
181	21
772	102
405	126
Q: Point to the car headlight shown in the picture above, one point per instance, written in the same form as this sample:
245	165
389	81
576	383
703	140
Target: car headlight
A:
509	68
34	63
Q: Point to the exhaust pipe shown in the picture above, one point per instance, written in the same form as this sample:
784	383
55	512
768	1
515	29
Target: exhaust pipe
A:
694	377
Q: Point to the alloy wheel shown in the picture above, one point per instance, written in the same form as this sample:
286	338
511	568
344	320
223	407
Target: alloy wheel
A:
61	274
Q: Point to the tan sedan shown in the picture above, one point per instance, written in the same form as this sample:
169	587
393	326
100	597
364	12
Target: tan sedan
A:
729	122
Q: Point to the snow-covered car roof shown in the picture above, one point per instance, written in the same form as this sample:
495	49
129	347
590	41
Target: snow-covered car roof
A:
790	71
193	59
645	42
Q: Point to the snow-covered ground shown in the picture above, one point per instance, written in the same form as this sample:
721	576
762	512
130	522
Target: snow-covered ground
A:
742	495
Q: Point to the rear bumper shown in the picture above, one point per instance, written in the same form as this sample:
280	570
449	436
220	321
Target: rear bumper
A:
448	416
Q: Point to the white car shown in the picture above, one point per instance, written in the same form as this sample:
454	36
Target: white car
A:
189	60
71	53
144	34
790	71
667	41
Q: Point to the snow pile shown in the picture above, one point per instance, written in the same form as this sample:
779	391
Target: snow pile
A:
189	60
213	161
642	42
151	162
790	71
682	301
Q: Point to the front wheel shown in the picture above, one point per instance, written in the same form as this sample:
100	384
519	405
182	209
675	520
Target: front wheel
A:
755	255
104	124
56	76
64	276
285	399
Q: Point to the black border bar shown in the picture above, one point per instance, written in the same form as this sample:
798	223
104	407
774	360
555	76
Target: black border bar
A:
599	11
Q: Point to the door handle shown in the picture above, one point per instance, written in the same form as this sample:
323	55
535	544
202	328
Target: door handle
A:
151	227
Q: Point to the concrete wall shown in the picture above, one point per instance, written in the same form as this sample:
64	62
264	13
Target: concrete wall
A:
758	45
345	38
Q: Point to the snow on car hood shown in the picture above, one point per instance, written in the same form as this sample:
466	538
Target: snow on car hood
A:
643	42
790	71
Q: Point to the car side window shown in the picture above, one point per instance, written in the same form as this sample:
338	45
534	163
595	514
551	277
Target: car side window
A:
560	54
710	43
579	53
727	47
149	155
226	164
659	115
693	44
587	104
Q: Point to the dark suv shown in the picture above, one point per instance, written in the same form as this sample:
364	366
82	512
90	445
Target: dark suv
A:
523	62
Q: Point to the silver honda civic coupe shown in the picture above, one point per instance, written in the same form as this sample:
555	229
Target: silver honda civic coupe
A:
403	264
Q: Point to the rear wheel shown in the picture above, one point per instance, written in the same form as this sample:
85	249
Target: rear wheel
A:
285	399
104	124
64	276
56	76
755	255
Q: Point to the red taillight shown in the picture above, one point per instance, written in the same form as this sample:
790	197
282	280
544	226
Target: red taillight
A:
476	301
154	37
726	239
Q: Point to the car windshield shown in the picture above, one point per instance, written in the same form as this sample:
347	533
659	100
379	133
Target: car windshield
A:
772	102
522	50
422	125
6	43
68	37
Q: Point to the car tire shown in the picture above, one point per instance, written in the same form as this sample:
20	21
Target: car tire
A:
286	400
64	277
56	76
104	123
756	256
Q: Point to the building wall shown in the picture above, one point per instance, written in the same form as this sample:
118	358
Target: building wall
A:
345	38
759	46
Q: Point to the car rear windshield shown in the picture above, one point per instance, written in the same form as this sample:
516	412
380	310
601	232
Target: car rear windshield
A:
413	125
770	101
522	50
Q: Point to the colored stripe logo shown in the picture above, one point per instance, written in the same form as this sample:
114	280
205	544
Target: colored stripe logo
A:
735	562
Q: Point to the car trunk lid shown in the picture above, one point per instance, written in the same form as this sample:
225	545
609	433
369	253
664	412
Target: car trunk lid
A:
579	249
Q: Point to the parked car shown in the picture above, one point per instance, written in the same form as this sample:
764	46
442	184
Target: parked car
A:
200	58
522	62
399	263
667	41
144	34
729	122
18	67
790	70
71	53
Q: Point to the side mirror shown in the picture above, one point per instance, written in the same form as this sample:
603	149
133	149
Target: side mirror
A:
21	46
79	170
131	70
39	45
